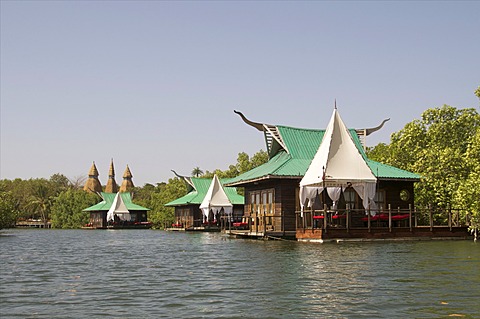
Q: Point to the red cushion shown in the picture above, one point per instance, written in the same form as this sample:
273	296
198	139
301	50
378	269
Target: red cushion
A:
400	217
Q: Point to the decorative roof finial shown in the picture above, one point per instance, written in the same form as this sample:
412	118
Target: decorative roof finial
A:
335	104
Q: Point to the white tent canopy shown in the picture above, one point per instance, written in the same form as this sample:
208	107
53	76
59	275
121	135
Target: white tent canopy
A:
118	208
337	165
216	199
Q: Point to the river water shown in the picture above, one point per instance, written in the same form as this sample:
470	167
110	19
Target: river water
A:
158	274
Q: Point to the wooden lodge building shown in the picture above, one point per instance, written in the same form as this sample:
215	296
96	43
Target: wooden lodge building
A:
206	205
116	210
273	207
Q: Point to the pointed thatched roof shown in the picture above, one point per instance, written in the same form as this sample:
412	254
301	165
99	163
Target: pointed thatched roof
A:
92	184
112	186
127	183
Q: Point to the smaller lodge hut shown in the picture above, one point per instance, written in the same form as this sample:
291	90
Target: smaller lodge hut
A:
207	206
117	211
319	184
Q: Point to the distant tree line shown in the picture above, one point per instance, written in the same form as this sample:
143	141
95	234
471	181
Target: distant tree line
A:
61	201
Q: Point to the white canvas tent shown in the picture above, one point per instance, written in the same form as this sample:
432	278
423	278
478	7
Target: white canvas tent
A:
337	165
118	208
216	199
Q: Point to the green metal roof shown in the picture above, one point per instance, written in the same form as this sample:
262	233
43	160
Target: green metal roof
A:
201	185
107	202
302	145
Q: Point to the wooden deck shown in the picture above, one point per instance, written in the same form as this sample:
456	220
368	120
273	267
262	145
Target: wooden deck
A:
262	235
195	229
398	233
33	223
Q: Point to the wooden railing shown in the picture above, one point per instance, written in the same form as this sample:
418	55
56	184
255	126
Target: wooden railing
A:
384	218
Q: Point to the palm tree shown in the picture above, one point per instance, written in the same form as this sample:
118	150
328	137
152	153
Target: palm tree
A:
41	202
197	172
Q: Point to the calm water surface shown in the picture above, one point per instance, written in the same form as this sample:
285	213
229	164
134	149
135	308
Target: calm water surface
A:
157	274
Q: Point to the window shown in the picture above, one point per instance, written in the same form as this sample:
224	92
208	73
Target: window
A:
252	203
404	195
261	202
270	202
380	199
257	203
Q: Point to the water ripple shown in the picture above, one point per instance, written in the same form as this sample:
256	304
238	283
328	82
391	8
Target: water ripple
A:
155	274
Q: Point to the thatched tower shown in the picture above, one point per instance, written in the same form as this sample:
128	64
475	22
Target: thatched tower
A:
127	183
112	186
92	184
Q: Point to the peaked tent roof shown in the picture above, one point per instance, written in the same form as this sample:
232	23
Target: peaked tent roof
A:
337	164
197	189
108	199
118	208
338	159
216	198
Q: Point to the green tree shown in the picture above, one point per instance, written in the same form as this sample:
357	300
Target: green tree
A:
59	182
41	199
21	192
468	193
67	208
244	164
443	147
197	172
156	197
435	148
8	212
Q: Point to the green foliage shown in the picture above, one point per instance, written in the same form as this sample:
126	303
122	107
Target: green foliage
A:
8	212
21	192
444	148
244	164
468	193
156	197
66	211
42	194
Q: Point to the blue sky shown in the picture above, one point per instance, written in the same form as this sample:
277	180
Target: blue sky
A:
153	84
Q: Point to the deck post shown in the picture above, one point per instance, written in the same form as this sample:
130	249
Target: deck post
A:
368	220
325	217
410	216
347	218
430	212
304	220
312	220
389	218
449	217
416	218
264	220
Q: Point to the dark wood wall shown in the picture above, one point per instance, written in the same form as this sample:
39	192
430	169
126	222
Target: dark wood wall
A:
392	193
284	200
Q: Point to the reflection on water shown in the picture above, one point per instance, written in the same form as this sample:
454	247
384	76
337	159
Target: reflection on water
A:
156	274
